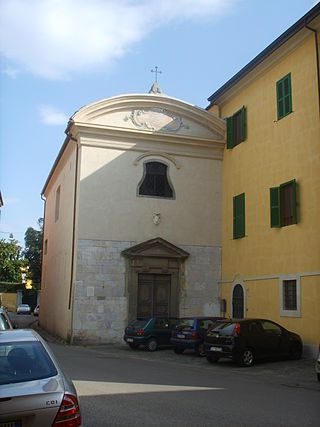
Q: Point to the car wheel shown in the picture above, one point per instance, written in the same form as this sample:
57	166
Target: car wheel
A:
212	359
152	344
296	352
178	350
200	350
246	358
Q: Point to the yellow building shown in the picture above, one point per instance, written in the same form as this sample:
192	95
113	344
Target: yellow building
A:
271	183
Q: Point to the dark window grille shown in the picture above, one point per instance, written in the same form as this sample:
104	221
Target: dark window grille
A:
289	288
155	182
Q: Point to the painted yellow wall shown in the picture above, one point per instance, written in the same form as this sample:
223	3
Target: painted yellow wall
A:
55	315
9	300
273	153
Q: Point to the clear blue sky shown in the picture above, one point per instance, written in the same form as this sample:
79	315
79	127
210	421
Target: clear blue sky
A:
58	55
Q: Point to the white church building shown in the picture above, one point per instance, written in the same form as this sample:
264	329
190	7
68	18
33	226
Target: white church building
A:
133	217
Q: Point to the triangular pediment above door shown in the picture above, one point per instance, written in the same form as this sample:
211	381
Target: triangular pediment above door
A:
155	248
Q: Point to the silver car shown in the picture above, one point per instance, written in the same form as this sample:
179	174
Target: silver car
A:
24	309
34	392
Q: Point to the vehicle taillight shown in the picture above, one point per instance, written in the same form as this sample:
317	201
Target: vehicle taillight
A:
140	332
194	336
236	330
69	414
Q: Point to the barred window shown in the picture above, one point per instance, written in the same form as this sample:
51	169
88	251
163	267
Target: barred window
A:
155	181
289	289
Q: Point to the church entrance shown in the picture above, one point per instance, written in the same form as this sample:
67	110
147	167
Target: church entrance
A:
155	269
153	295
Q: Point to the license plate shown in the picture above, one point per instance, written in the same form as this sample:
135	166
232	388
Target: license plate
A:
215	349
128	340
11	424
180	336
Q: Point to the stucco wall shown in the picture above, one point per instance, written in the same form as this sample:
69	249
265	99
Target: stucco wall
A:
54	314
110	209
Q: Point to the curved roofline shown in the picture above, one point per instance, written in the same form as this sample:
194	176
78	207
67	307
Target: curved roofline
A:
282	39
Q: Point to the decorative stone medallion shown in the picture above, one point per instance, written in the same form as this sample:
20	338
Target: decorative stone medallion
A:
157	119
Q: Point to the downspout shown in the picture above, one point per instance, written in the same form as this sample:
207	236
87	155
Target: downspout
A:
70	304
317	58
43	241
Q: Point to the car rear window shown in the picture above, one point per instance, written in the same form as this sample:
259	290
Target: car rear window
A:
186	323
24	361
139	323
224	328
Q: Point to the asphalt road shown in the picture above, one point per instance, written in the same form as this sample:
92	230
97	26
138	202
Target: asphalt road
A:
118	386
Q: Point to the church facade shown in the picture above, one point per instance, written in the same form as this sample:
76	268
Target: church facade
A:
133	217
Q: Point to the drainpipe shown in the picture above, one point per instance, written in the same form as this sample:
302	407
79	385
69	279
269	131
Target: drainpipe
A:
317	58
43	241
70	304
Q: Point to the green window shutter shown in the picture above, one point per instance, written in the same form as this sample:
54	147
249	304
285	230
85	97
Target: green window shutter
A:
275	208
239	216
243	123
294	185
229	132
284	97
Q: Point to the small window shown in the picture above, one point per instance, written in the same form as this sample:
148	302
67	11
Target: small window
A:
236	128
57	209
283	204
239	216
46	246
290	297
284	99
155	181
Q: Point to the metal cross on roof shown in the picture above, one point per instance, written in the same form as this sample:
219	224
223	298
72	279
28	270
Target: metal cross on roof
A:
157	72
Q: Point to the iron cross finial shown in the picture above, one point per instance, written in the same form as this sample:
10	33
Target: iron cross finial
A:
157	72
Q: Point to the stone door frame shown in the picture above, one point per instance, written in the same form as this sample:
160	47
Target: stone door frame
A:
155	256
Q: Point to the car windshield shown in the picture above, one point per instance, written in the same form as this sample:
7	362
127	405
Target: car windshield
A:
186	323
24	361
4	324
224	328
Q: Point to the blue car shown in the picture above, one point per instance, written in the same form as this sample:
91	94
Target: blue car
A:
190	333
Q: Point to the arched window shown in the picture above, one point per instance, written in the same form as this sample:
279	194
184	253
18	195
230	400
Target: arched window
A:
155	181
238	302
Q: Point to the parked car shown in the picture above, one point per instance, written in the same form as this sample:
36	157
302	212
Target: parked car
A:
33	389
5	322
23	309
36	310
318	365
152	332
190	333
246	340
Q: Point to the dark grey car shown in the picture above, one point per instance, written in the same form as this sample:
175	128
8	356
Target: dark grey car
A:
33	389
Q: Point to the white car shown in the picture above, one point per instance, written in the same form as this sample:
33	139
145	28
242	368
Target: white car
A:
36	310
24	309
318	365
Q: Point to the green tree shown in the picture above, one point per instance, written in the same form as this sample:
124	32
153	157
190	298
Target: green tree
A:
10	261
33	253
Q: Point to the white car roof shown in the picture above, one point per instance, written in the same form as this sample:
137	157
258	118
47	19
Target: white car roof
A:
18	335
